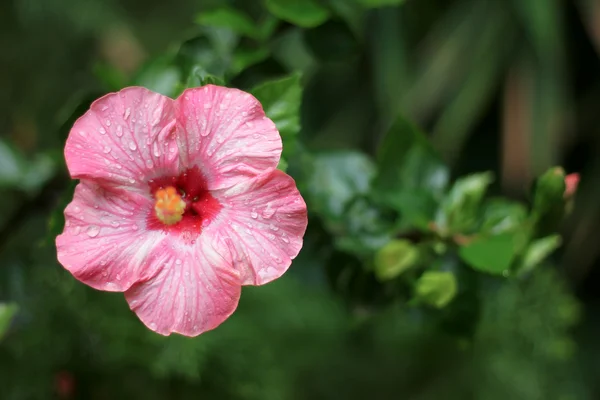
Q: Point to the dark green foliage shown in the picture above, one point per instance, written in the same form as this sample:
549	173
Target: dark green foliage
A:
419	278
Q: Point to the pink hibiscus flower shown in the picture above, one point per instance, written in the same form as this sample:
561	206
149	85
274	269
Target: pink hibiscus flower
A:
179	204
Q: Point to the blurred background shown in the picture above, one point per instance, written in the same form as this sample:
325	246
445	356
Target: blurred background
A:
445	258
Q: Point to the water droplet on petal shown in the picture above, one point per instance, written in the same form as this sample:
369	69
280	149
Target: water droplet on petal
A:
106	149
156	149
115	224
153	326
268	211
127	113
132	146
119	131
102	131
131	180
92	231
77	230
104	108
83	133
285	238
254	214
178	261
108	122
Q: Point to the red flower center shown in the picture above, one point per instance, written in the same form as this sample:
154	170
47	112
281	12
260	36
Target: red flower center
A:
198	209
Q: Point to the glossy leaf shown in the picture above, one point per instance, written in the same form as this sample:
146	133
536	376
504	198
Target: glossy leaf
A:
394	258
365	228
460	209
281	100
406	160
337	178
245	57
199	77
492	254
411	176
501	216
436	288
230	18
538	251
304	13
160	75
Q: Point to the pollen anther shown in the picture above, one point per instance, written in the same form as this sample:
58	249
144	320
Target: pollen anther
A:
169	206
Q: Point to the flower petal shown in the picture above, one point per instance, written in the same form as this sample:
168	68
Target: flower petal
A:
226	133
195	291
266	220
104	243
125	138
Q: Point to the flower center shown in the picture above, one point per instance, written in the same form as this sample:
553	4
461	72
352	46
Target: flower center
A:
169	206
183	204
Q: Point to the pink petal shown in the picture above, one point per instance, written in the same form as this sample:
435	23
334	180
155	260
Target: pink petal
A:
266	220
195	291
226	133
125	138
105	244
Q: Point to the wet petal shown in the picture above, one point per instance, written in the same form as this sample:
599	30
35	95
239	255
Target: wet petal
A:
105	244
226	133
266	220
125	139
195	290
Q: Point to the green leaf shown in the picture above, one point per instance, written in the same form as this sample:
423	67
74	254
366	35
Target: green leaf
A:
336	179
380	3
500	216
199	77
212	50
281	101
411	177
538	251
395	258
7	312
246	57
230	18
364	228
460	209
406	160
291	51
436	288
160	75
493	254
304	13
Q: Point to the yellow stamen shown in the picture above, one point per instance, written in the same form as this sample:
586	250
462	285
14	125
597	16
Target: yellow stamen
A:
169	205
